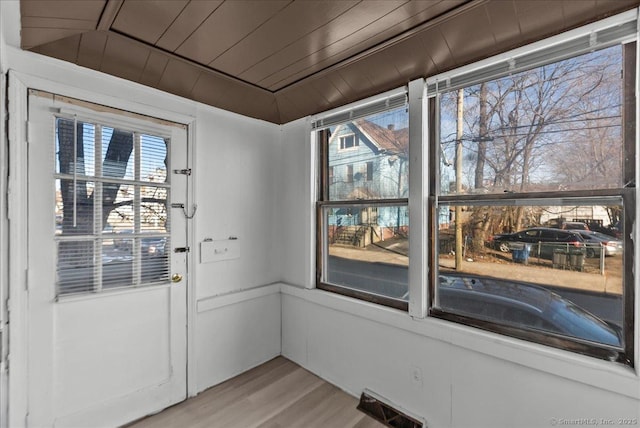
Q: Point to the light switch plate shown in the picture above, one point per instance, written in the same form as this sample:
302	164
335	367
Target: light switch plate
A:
219	250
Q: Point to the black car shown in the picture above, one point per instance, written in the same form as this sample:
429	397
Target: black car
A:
523	305
543	240
597	242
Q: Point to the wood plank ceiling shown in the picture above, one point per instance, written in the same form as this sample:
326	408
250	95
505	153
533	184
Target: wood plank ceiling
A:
280	60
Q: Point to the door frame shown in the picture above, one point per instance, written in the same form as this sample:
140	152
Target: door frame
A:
4	255
17	209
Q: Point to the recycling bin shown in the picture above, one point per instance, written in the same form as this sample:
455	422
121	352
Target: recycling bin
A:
559	259
576	260
521	254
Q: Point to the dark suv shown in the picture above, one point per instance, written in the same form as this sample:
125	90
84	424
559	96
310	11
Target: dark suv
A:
543	241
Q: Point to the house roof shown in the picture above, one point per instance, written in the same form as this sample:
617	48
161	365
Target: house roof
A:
389	139
281	60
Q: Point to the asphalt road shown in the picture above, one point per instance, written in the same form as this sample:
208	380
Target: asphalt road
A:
392	280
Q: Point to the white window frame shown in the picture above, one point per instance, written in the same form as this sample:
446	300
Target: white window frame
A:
616	30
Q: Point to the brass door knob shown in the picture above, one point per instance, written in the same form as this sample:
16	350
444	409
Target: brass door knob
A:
176	277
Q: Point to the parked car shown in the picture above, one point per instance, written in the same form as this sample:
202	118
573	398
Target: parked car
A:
153	247
595	242
523	305
574	225
543	241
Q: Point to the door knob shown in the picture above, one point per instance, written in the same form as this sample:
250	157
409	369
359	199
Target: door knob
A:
176	277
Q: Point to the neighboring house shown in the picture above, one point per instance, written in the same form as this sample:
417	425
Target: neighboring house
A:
368	161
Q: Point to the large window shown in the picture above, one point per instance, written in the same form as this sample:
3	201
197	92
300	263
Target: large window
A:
532	202
523	197
111	194
363	216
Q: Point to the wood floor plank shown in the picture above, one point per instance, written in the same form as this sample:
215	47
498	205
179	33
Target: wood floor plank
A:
277	394
307	409
263	404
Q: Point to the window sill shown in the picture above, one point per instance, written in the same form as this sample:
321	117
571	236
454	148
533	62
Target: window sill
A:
613	377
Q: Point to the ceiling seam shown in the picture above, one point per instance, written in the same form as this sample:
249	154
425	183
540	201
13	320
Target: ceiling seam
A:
295	41
172	22
250	33
173	55
198	27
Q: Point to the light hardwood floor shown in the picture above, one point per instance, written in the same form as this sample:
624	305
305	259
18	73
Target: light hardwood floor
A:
277	394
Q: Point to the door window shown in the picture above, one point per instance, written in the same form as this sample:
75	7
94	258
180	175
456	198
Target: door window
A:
111	193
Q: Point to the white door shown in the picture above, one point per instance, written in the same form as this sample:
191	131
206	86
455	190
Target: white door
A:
107	288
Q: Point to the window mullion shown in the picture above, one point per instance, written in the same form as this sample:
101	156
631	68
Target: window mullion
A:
418	244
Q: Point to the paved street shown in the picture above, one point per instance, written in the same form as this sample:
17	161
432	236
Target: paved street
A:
386	273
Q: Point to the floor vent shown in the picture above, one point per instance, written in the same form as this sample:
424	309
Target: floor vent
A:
373	406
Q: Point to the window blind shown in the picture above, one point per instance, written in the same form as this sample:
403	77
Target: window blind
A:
570	48
367	109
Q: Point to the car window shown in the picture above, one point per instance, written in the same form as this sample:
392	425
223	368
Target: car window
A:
549	235
570	237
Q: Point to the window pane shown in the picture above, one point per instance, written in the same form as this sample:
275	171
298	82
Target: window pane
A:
74	207
117	262
79	158
153	215
118	156
155	259
553	128
368	157
153	159
118	207
368	249
75	267
557	269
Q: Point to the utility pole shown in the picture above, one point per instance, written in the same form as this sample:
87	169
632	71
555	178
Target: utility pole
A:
478	219
458	209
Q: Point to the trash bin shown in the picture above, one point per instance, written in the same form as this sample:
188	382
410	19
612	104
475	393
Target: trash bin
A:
576	260
559	259
521	254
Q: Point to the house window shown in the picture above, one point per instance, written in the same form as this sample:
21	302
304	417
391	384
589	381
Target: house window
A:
514	157
348	141
111	193
349	173
364	224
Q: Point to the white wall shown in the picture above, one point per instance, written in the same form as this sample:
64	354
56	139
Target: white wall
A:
237	189
297	204
234	321
452	375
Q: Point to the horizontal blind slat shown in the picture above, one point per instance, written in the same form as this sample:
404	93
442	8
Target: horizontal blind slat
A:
595	41
369	109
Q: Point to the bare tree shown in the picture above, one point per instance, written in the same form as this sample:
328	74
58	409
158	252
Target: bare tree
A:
544	129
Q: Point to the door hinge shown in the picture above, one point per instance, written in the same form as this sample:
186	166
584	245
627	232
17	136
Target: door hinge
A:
182	171
181	250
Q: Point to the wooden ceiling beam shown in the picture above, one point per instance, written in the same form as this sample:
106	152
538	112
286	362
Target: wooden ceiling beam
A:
109	14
